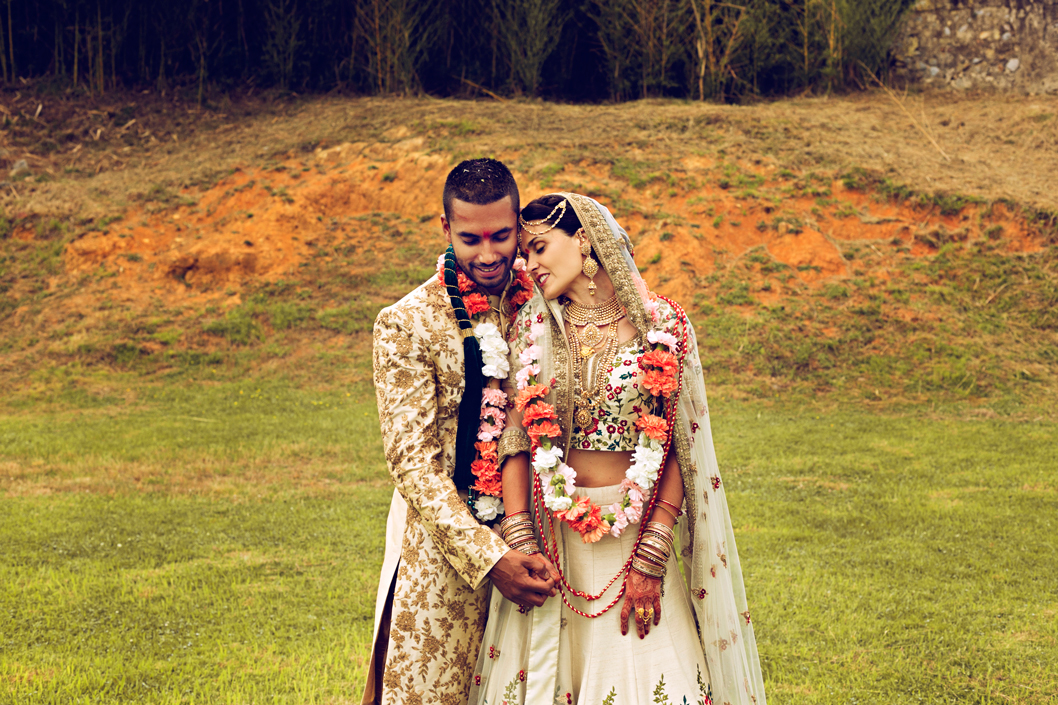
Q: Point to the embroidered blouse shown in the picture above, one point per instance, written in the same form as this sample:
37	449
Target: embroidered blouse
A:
612	426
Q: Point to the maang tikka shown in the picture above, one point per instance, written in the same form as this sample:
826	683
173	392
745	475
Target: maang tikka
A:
590	266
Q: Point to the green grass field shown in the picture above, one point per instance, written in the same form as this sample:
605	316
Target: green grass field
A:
219	543
192	485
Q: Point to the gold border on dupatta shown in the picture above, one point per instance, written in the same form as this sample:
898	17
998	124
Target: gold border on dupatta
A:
609	252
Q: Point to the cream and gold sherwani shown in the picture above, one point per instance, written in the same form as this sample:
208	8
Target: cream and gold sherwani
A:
438	555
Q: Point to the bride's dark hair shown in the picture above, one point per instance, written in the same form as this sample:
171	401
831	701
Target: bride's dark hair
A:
540	208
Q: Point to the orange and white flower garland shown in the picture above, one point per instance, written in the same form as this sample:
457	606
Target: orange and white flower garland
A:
486	493
558	480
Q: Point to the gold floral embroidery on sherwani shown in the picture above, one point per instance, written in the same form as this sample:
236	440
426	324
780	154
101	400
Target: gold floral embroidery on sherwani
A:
440	591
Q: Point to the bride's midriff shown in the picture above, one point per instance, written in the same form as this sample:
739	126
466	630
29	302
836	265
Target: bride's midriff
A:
599	468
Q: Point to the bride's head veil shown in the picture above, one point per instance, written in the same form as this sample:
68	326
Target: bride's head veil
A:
711	565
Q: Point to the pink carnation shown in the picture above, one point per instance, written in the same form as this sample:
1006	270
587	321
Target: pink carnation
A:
489	432
634	491
570	476
491	412
531	353
652	308
666	339
525	373
620	520
493	397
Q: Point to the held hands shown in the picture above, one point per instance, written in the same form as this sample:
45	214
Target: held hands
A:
525	580
642	594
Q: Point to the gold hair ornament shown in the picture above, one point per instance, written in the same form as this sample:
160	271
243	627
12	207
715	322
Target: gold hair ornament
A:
560	208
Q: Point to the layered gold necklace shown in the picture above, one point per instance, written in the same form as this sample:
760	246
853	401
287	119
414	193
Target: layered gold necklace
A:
588	393
593	318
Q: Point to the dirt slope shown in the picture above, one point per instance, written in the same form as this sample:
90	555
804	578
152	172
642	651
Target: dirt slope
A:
220	241
262	225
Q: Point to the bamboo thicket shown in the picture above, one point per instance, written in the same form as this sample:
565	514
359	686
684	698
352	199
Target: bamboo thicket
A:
593	50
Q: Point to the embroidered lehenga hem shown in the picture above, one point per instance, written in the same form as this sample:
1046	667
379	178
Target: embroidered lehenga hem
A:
589	661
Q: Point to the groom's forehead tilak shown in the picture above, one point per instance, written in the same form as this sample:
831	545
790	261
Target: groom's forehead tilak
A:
486	234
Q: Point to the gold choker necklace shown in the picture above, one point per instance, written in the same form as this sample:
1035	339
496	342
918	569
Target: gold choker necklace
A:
592	319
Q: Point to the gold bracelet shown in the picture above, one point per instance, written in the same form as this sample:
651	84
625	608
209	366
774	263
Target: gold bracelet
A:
679	512
664	529
516	528
659	546
657	538
646	569
514	537
526	546
515	518
668	511
652	555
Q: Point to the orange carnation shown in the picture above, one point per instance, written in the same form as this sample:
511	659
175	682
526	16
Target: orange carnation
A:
463	282
659	384
581	506
539	410
484	468
597	533
489	485
662	359
476	303
528	394
655	427
525	292
543	428
487	450
587	520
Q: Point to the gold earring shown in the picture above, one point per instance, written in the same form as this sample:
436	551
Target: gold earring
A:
590	266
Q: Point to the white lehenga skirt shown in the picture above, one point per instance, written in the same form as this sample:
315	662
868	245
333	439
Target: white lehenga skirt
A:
550	654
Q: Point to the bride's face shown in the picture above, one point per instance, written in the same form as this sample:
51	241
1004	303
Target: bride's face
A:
554	261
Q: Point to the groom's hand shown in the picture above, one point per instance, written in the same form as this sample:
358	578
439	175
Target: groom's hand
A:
524	580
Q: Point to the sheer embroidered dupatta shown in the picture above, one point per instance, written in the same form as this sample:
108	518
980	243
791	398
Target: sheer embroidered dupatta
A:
524	662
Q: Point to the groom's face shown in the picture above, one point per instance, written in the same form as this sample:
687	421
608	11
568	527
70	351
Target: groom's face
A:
485	240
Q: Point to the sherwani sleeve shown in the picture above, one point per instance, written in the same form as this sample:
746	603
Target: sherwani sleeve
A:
406	388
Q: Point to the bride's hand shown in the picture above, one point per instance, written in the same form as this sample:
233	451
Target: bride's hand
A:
643	596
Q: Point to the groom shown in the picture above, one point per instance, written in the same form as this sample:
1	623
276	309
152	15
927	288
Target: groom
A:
433	595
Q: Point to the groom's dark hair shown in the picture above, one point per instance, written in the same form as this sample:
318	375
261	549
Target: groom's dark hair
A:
481	182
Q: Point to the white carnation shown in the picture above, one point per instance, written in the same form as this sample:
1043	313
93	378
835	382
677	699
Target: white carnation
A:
545	459
493	346
646	461
640	476
556	503
488	507
493	350
485	329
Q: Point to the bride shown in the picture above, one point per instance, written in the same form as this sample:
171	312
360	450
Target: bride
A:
609	469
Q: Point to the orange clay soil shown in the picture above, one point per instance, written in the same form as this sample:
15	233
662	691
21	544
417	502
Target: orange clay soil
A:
258	226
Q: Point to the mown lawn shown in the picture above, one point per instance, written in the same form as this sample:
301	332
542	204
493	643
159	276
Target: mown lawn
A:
220	543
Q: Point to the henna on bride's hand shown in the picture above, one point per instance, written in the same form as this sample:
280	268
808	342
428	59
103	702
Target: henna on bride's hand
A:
642	596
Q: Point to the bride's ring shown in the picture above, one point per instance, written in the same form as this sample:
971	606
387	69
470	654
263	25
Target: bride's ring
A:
639	613
649	613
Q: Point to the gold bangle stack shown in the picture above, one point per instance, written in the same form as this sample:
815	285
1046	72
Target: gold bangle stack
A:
655	547
517	531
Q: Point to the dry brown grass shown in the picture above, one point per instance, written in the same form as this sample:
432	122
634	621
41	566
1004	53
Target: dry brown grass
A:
1001	146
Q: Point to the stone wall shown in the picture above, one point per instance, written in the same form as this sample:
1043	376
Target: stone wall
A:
999	44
